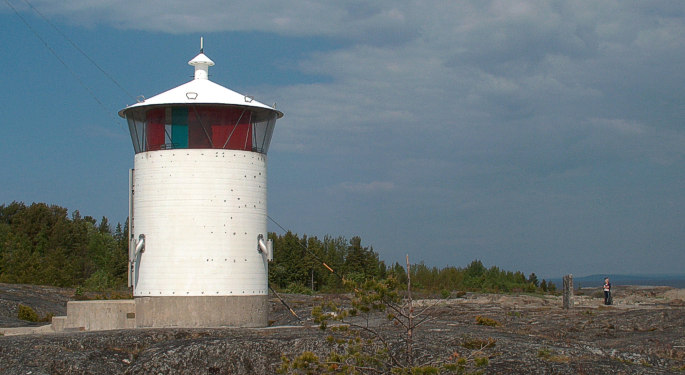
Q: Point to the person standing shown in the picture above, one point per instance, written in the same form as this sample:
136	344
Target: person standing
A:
607	291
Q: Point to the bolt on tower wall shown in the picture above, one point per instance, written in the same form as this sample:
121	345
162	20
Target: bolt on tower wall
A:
198	253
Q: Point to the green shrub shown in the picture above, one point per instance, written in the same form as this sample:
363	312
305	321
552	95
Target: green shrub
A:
99	281
356	277
297	288
445	294
481	361
27	313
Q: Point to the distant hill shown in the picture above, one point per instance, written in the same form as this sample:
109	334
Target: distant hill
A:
597	280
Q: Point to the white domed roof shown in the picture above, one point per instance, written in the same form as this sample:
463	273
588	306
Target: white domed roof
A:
201	91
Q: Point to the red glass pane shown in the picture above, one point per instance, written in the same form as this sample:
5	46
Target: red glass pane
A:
232	129
155	129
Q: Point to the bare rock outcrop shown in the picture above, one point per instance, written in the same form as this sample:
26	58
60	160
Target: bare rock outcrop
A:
534	335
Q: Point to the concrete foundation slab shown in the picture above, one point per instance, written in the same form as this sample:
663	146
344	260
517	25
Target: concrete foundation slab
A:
98	315
25	330
201	311
58	323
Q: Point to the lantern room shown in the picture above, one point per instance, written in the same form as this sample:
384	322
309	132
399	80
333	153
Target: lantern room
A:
200	114
200	126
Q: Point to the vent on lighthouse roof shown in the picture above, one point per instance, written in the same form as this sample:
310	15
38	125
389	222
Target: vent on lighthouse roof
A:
201	63
202	91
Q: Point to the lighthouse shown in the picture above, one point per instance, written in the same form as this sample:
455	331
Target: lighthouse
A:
199	253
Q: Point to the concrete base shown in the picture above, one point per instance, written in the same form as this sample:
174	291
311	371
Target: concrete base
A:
59	322
25	330
96	316
201	311
157	312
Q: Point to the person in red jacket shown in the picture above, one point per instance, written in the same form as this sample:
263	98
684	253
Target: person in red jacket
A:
607	291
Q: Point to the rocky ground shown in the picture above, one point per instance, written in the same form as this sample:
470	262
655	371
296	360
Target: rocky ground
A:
44	300
642	333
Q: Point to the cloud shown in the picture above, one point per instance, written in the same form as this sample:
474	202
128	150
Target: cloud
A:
503	123
376	23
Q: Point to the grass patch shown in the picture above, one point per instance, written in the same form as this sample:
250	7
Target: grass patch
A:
544	353
484	321
549	355
476	343
80	294
626	361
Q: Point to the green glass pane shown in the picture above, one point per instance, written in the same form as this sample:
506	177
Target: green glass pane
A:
179	127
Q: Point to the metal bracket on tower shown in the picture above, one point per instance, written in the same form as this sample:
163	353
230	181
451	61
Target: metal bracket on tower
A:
265	247
140	246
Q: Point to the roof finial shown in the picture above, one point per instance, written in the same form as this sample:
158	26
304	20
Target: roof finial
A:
201	63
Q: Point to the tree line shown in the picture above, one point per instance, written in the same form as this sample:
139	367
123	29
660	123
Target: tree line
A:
312	264
42	244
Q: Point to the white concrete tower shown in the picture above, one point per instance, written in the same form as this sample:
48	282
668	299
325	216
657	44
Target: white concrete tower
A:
199	254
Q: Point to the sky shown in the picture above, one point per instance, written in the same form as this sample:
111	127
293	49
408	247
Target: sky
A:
540	136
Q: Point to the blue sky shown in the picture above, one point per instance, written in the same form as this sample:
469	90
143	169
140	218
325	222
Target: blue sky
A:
545	137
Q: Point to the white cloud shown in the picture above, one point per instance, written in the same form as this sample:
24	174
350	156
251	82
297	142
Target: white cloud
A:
496	105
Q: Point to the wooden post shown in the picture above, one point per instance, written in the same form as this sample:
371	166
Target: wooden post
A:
568	292
410	323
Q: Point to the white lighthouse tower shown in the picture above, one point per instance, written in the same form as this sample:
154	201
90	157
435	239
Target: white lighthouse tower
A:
199	251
